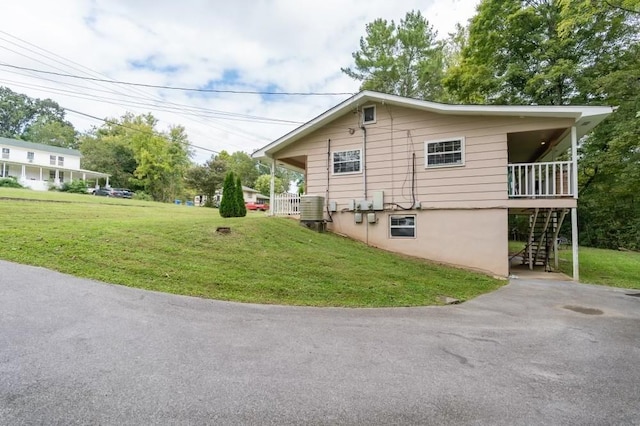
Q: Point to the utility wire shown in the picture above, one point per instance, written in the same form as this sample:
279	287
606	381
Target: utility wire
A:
222	126
184	89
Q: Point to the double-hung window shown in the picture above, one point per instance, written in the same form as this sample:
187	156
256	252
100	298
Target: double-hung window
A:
30	156
5	152
52	160
444	152
402	226
60	161
347	161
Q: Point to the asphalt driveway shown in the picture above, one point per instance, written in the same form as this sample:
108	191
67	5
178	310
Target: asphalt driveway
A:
75	351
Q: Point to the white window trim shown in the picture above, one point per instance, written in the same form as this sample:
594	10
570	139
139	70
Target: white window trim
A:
439	166
375	114
346	173
415	226
6	153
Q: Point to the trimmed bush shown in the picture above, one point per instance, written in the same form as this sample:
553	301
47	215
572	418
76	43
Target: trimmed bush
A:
77	187
9	182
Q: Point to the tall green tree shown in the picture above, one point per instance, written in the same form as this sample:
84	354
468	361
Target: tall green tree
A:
545	52
52	132
263	185
161	159
242	165
35	120
404	59
241	209
208	178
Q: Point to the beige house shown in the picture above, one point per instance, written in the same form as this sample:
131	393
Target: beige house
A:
438	181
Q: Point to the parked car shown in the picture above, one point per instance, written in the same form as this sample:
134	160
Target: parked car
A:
255	206
105	192
124	193
114	192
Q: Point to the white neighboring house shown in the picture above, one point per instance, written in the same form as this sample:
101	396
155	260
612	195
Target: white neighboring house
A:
38	166
250	195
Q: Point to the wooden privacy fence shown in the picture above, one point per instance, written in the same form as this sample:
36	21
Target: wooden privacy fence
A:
285	205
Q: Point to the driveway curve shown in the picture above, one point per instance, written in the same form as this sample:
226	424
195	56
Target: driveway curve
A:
75	351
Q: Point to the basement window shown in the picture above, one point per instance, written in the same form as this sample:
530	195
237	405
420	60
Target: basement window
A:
444	152
369	114
347	162
402	226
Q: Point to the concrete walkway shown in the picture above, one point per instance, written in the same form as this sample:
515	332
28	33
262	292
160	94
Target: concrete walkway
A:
74	351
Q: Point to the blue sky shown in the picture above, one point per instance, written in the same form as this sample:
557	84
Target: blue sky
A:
270	45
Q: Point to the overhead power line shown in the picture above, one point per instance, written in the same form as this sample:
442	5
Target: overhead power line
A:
115	123
184	89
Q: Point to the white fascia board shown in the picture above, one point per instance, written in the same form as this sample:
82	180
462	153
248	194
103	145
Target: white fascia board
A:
591	114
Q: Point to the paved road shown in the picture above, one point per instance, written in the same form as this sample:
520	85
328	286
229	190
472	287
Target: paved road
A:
74	351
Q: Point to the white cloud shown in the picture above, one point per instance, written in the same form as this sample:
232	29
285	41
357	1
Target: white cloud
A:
286	45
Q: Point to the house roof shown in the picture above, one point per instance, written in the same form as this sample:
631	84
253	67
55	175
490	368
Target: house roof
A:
586	117
39	146
247	189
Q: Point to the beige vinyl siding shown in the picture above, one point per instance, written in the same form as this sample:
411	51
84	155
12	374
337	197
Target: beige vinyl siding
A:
391	142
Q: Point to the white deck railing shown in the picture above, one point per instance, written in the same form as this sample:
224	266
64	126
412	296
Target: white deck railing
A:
285	205
553	179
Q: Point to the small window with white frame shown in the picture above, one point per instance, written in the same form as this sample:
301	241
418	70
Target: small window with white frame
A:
60	161
444	152
30	156
402	226
52	160
5	152
347	161
369	114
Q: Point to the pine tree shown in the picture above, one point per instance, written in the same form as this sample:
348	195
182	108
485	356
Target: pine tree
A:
241	208
228	202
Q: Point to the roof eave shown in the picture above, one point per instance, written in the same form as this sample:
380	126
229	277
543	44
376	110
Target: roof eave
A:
579	113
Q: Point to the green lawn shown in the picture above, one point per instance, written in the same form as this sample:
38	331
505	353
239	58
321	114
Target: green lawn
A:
176	249
598	266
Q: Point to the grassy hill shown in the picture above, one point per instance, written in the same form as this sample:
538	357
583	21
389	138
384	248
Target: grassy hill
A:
176	249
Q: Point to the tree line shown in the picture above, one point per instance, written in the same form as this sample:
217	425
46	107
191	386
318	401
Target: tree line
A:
155	164
533	52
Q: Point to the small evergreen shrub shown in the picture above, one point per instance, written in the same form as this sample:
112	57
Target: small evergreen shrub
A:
228	203
241	208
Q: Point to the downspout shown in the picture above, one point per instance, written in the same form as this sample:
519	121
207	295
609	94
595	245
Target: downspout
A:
328	178
364	161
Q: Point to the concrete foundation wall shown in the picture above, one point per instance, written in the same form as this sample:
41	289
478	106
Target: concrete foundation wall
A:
473	239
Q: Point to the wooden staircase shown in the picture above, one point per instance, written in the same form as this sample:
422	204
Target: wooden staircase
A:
544	226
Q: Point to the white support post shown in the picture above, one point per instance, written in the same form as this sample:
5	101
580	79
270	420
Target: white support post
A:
574	161
574	243
272	187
